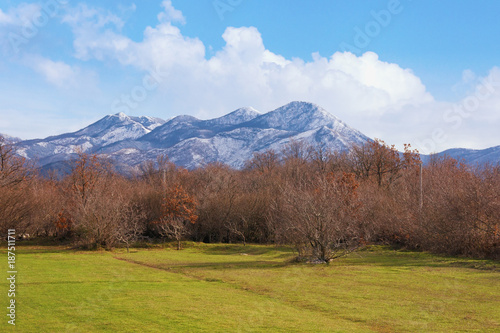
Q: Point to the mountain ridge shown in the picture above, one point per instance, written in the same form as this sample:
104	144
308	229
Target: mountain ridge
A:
474	156
191	142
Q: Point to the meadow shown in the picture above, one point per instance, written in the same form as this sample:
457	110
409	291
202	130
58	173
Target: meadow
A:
253	288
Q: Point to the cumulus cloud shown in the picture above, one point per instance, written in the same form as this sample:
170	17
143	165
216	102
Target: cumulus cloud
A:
245	72
170	14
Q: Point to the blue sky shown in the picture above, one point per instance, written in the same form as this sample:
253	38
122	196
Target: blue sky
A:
423	72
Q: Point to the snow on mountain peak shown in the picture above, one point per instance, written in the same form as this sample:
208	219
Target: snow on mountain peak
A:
149	123
190	142
248	110
311	109
121	115
236	117
298	116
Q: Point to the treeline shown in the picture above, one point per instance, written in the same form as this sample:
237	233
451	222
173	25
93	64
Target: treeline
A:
324	203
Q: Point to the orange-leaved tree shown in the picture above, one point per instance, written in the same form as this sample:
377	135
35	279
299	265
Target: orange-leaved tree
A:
178	210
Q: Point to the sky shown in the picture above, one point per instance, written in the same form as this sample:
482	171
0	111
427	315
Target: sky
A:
420	72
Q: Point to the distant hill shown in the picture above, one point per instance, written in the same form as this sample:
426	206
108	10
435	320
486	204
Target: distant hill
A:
474	156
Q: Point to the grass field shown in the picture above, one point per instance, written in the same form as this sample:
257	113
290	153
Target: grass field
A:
231	288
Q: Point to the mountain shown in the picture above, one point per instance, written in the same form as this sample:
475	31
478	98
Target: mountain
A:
474	156
108	130
234	118
232	139
191	142
10	139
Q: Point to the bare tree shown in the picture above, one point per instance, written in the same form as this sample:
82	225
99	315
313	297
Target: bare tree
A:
98	203
13	169
322	215
238	227
16	178
131	227
376	159
263	162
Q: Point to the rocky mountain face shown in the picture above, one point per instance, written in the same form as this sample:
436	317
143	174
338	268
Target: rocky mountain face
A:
108	130
190	142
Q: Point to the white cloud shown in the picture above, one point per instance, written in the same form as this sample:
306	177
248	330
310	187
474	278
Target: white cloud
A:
55	72
13	23
170	14
92	18
64	76
21	15
4	18
244	71
94	29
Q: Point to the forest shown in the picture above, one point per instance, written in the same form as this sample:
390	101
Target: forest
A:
326	204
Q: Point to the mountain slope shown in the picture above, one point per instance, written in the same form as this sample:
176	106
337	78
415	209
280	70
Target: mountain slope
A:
108	130
10	139
191	142
234	138
474	156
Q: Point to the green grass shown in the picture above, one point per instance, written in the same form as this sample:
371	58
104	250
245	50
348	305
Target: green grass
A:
231	288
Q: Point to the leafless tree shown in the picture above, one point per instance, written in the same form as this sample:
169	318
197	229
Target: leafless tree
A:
322	215
16	178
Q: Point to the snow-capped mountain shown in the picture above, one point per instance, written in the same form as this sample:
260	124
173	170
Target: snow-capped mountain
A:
232	139
108	130
191	142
